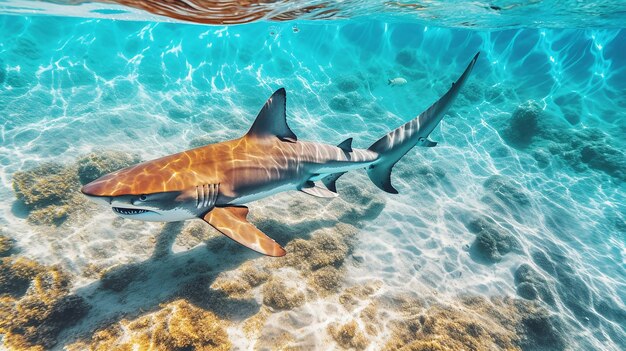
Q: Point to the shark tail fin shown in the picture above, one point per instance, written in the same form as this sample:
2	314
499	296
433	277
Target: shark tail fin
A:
399	141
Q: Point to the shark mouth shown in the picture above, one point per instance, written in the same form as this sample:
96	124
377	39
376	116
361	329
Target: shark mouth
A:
129	211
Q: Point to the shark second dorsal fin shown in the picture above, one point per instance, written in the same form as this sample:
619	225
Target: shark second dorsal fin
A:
272	119
232	222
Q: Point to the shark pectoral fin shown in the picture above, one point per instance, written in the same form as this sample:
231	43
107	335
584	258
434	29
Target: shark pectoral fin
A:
317	191
330	181
232	222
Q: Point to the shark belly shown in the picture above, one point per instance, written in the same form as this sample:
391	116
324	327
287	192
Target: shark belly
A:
269	191
313	172
254	182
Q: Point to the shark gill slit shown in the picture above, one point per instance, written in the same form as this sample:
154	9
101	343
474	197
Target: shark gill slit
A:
206	195
209	194
198	196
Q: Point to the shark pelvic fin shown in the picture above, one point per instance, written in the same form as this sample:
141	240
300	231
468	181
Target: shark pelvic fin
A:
232	222
331	180
272	119
346	145
315	190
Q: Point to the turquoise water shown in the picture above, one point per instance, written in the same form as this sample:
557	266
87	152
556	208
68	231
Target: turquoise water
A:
535	142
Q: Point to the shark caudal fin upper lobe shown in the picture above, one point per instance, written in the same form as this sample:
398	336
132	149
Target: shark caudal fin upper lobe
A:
399	141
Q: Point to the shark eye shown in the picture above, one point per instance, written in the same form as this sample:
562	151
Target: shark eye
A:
143	197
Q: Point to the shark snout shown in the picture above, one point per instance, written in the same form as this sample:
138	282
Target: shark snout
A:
90	192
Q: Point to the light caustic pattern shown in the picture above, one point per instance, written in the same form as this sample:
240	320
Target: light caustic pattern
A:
71	86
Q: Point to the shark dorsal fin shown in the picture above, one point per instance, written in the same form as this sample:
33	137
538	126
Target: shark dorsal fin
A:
272	119
346	145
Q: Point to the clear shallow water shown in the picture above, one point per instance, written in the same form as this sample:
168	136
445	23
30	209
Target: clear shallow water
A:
73	86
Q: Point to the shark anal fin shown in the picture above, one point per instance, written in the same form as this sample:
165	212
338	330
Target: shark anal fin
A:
232	222
346	145
330	181
272	119
317	191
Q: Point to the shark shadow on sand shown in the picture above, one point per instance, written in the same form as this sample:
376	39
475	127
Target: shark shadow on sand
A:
131	290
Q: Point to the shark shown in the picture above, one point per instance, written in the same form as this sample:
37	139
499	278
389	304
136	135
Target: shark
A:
216	181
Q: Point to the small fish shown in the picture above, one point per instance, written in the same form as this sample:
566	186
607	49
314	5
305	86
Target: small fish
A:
396	81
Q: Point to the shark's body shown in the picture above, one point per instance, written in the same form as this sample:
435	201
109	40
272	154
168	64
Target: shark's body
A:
213	182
